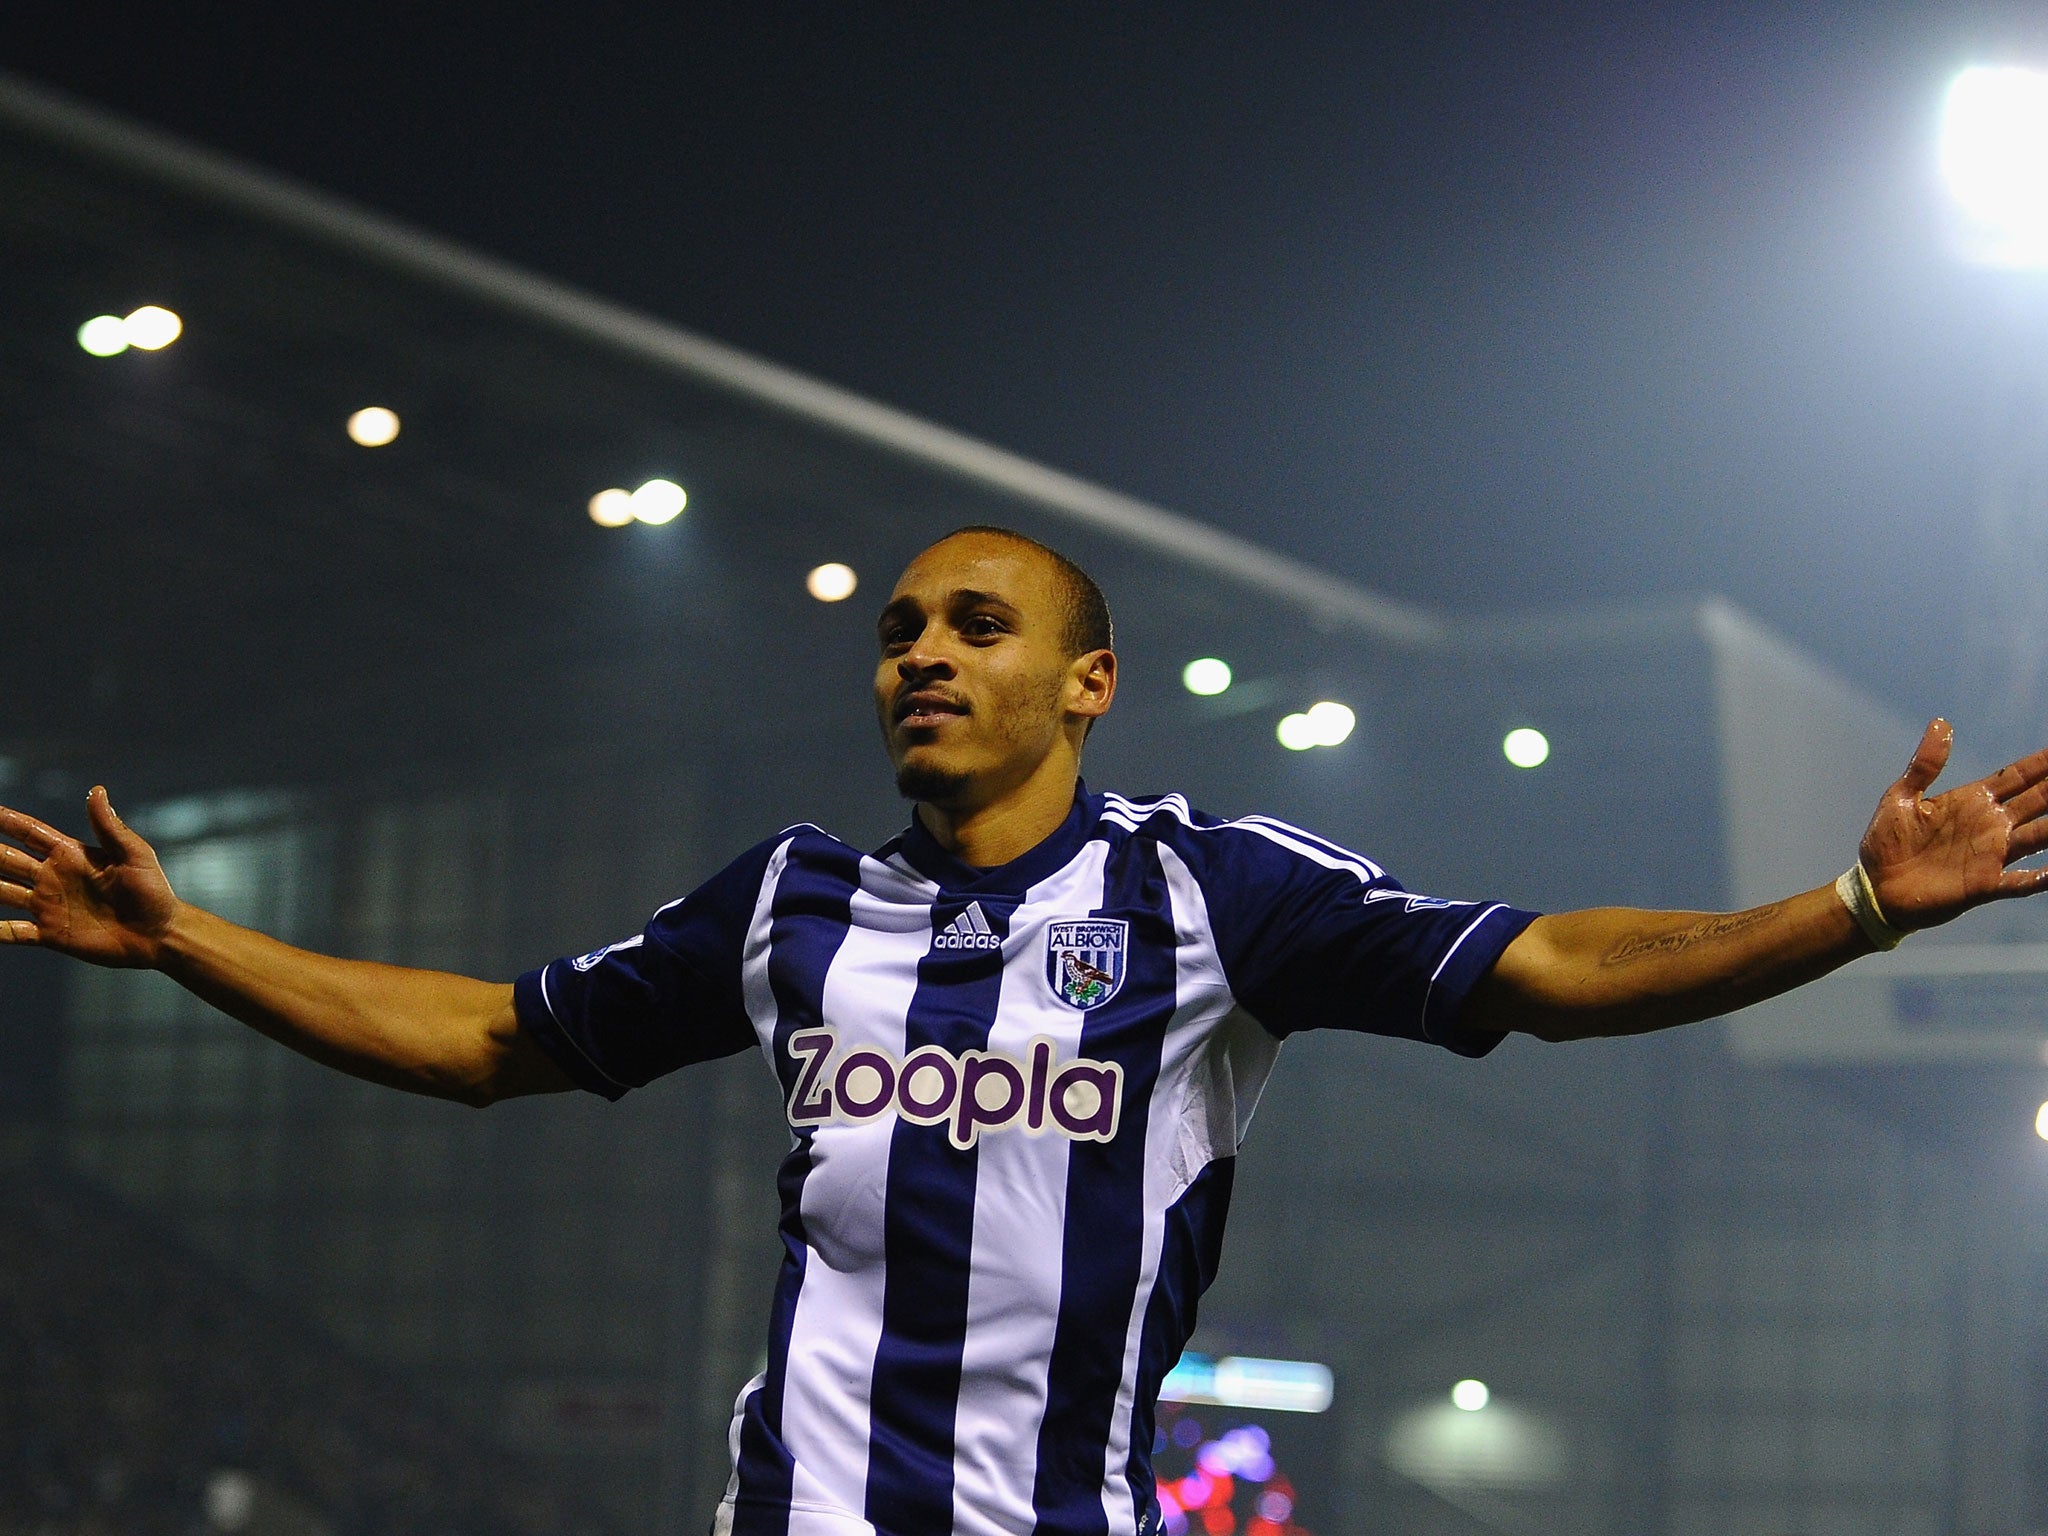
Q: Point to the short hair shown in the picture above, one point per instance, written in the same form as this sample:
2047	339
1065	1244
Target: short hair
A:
1088	625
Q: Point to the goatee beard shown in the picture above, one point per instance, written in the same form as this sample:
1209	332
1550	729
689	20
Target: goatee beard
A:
919	781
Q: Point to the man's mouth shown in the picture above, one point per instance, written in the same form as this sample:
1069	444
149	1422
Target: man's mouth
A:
928	707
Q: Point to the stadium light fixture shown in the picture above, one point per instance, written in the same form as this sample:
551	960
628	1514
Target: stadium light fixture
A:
2041	1122
1206	676
1994	157
152	328
373	426
658	502
1470	1395
1526	747
104	335
1332	722
612	508
1325	724
148	329
831	582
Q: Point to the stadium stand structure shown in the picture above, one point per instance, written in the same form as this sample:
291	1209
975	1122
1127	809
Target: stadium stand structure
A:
149	1392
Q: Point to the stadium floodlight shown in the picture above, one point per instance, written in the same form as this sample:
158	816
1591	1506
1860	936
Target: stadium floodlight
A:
373	426
1295	733
1470	1395
1994	156
1526	747
2041	1122
1206	676
659	501
612	508
831	582
1325	724
152	328
1332	722
104	335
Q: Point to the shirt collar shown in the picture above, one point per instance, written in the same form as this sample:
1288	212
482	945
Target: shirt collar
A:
1021	873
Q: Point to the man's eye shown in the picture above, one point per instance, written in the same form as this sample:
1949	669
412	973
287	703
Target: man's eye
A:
981	624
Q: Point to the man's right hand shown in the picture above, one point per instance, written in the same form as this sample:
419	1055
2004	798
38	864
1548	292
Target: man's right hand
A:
109	905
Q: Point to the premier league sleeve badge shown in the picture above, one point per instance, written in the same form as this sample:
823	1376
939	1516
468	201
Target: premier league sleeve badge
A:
1084	959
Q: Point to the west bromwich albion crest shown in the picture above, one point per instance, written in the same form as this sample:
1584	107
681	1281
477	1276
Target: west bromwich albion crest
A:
1084	959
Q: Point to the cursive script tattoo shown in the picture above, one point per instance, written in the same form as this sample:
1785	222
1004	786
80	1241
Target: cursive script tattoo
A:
1637	946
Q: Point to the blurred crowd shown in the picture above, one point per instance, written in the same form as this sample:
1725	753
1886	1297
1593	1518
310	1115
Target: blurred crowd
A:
144	1393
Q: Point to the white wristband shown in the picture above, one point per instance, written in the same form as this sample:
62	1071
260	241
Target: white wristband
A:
1860	897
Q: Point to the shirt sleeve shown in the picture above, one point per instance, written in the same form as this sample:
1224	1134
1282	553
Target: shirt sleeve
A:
1314	936
621	1016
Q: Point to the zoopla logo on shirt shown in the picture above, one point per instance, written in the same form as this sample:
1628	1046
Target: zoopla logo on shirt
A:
974	1092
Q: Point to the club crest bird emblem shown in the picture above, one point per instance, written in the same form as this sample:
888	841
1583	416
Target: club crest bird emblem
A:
1084	959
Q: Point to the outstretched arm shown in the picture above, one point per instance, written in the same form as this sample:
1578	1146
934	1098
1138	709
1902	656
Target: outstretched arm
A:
425	1031
1621	971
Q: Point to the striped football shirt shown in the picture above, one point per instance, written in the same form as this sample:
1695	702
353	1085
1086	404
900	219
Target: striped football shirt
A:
1015	1098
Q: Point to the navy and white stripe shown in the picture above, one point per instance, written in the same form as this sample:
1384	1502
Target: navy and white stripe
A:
1010	1163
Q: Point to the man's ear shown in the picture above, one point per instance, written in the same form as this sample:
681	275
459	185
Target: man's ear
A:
1091	684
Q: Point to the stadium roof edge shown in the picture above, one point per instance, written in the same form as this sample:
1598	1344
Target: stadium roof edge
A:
95	132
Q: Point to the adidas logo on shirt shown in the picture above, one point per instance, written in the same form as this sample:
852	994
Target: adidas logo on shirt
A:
969	930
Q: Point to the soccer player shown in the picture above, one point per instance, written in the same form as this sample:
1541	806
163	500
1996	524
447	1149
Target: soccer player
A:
1018	1045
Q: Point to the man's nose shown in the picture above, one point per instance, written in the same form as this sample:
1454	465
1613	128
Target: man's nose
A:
923	661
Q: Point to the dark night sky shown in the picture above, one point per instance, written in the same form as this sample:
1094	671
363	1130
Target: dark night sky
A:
1480	305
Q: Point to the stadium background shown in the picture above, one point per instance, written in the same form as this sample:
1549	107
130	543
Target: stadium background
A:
411	703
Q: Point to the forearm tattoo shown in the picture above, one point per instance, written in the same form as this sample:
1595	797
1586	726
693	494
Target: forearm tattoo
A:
1637	946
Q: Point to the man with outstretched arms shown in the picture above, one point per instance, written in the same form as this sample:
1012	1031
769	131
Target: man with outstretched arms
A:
1018	1045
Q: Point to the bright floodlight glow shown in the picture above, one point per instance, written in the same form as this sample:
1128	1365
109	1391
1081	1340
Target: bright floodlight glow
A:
230	1500
373	426
152	328
1321	725
1470	1395
831	582
1994	156
612	508
1206	676
2041	1122
1500	1450
104	335
1332	722
659	501
1526	747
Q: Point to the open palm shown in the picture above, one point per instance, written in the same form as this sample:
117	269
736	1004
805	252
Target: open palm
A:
1931	858
109	905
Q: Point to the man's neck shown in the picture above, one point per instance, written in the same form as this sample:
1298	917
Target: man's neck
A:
1008	826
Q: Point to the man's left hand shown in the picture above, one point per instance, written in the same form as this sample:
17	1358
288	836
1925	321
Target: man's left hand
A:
1932	858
